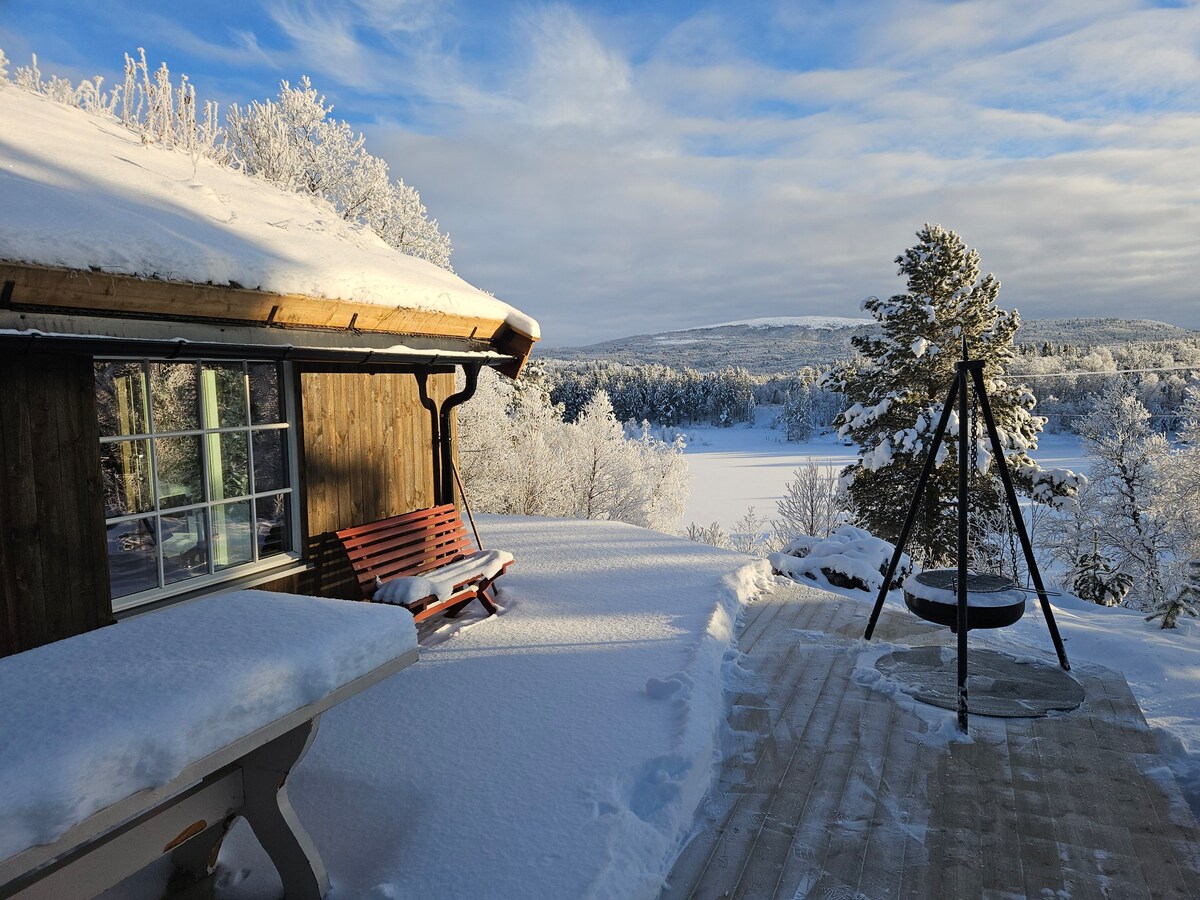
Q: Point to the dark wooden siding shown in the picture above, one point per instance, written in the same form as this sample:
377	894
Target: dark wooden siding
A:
53	562
366	453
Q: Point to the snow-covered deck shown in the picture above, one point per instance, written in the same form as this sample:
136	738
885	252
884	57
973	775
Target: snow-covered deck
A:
562	748
847	788
558	749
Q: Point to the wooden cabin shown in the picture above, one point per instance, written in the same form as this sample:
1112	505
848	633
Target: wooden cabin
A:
163	438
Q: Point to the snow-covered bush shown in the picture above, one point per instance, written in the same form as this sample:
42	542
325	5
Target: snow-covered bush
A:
1185	601
813	502
848	558
713	535
751	534
518	456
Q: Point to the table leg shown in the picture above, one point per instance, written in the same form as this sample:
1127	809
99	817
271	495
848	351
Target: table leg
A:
270	813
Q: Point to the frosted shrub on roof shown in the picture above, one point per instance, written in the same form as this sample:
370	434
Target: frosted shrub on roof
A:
296	144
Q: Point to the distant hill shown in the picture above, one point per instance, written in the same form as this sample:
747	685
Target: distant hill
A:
784	343
1093	332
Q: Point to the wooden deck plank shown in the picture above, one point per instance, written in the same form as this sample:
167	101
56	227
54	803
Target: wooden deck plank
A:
720	846
836	792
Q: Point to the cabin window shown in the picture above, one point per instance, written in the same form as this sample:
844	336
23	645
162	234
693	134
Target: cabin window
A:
196	463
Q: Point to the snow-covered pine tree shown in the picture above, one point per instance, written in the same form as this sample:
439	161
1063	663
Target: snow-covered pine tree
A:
1097	581
1186	599
897	388
796	418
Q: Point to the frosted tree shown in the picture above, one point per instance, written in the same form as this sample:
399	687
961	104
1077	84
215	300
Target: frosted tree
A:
663	481
811	504
1125	453
1177	488
602	461
897	387
297	144
796	417
1185	601
518	456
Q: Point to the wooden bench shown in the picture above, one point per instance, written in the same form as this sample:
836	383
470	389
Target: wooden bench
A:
234	746
424	561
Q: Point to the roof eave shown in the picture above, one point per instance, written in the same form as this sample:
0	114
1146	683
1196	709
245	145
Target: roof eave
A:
81	293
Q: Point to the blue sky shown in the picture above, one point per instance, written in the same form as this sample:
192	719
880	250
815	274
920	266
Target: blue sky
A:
623	167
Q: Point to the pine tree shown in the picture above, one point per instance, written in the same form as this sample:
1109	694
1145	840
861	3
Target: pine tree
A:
1097	581
796	417
1186	600
897	388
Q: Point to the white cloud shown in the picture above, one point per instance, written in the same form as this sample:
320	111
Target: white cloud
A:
610	185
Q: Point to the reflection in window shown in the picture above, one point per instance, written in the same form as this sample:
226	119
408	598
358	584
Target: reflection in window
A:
173	397
195	474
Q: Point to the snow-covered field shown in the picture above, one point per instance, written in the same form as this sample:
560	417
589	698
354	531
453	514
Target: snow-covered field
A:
734	468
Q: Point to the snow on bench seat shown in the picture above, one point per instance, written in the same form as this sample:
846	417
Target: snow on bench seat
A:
89	721
440	583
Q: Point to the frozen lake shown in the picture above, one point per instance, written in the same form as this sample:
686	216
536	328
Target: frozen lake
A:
735	468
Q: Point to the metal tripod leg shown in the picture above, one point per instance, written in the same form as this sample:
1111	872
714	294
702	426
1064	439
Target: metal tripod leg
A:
913	508
1018	522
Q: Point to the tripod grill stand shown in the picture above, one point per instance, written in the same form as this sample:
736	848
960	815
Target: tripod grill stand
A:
968	370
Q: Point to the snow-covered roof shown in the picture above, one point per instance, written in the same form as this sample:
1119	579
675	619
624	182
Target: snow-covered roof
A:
83	193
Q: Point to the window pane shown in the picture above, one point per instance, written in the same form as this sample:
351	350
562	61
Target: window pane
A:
173	394
125	468
132	561
265	407
184	545
224	395
233	542
228	465
269	461
178	471
274	525
121	398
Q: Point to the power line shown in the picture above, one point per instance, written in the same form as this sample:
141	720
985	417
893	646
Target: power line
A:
1195	368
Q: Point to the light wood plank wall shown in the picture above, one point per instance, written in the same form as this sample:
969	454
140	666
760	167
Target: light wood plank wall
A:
366	454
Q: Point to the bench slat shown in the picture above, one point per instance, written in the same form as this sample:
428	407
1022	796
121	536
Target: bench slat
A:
446	516
415	543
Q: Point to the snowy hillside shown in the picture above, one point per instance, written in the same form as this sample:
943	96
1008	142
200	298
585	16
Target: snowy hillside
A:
796	321
784	343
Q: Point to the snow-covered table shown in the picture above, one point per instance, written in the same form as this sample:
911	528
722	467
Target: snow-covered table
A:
153	735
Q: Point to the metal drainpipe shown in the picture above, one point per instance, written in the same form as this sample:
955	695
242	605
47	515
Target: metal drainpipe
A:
443	450
444	430
435	444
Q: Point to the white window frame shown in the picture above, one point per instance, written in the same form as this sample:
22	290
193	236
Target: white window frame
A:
213	582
